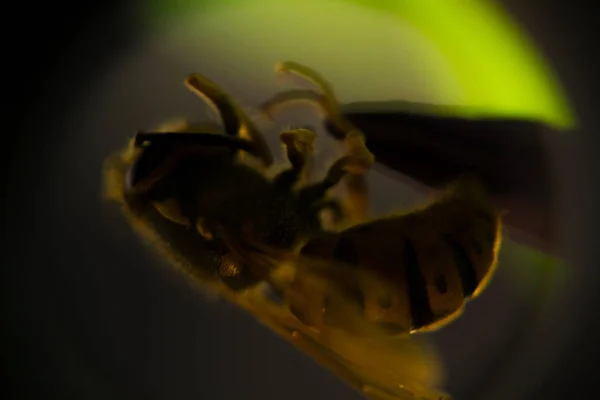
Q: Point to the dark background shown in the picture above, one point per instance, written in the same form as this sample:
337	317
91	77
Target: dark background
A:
52	51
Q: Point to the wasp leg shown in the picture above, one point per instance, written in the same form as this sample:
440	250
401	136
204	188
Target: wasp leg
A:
325	98
298	144
352	167
235	121
357	190
356	184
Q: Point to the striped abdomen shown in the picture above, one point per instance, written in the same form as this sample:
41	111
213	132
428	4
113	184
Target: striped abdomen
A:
422	266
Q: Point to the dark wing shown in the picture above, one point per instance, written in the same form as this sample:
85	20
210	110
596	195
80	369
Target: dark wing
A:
510	156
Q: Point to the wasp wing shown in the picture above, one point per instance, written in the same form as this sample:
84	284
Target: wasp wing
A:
432	148
382	367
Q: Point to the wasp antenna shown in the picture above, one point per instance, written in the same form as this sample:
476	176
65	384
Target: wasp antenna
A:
217	99
307	73
235	121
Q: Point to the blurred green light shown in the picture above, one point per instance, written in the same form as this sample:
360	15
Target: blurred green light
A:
500	72
496	65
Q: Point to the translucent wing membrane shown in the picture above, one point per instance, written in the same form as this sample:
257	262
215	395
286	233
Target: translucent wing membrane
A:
363	354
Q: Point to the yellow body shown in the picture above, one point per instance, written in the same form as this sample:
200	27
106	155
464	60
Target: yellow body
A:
375	253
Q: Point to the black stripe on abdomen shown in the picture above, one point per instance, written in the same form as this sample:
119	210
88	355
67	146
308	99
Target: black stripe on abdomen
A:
464	265
420	309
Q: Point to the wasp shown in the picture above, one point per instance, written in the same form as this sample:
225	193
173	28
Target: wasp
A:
347	295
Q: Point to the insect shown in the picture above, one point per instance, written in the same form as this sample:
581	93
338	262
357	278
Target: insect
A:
348	296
